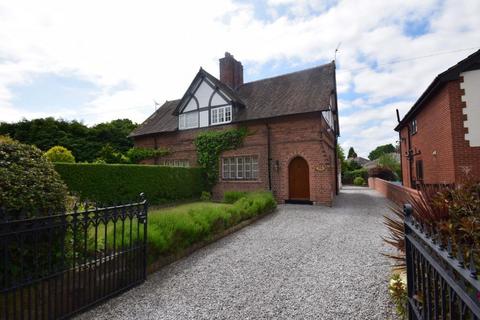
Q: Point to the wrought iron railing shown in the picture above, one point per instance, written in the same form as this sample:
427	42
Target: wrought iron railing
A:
442	278
54	266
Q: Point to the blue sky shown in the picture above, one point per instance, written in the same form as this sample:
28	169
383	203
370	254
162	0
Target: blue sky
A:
53	63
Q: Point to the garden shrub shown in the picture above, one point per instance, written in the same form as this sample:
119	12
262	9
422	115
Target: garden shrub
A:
233	196
115	183
358	181
173	232
59	154
382	173
349	176
397	288
206	196
29	184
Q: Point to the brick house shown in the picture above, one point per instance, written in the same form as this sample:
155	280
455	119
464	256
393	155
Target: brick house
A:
440	135
292	124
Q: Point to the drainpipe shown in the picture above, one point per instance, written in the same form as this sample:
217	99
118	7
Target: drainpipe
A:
400	146
410	157
269	155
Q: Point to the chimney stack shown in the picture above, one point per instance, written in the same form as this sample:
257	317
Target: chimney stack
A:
231	71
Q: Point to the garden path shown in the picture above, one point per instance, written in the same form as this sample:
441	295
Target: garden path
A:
302	262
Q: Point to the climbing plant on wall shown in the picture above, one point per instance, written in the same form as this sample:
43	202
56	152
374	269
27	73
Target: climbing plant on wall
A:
211	144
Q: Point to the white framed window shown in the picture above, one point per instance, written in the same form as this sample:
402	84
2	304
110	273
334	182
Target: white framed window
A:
188	120
240	168
221	115
413	126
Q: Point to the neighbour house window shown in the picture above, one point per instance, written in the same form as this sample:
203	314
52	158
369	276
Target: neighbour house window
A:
176	163
419	169
413	126
221	115
240	168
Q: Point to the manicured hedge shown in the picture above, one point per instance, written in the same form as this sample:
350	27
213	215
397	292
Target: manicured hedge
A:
119	183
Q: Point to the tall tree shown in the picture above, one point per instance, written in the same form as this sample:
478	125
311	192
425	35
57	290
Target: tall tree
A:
351	153
380	150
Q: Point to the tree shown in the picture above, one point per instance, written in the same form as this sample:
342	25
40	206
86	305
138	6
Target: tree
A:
59	154
28	182
351	153
84	142
378	151
388	161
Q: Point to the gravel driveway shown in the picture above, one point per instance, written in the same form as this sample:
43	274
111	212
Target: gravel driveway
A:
302	262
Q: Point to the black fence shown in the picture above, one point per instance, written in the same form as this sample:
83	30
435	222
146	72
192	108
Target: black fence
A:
54	266
441	275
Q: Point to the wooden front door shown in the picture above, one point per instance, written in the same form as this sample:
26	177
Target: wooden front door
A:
298	179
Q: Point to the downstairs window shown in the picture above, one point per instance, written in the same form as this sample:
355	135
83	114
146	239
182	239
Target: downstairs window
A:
240	168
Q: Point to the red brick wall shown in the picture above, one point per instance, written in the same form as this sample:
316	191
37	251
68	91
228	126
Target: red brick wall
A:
292	136
466	158
434	134
394	192
441	130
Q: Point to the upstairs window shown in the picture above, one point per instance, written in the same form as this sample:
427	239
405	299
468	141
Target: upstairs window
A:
221	115
413	127
176	163
188	120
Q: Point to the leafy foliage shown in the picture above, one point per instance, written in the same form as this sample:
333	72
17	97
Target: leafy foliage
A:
388	161
233	196
378	151
59	154
210	144
108	155
359	181
84	142
114	183
382	173
28	181
397	288
351	153
206	196
137	155
349	176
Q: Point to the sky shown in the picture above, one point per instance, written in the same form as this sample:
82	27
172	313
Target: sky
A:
97	61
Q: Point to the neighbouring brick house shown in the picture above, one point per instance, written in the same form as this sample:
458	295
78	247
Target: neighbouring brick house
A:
440	135
292	121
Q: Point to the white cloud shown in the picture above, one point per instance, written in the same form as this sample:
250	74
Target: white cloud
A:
157	47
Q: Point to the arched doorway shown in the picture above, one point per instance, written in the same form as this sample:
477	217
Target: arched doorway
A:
298	179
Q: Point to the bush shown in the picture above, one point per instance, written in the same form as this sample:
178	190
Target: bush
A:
359	181
233	196
206	196
349	176
28	181
60	154
172	232
114	183
136	155
382	173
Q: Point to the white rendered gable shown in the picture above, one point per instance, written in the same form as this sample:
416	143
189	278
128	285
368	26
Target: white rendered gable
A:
218	100
471	86
203	94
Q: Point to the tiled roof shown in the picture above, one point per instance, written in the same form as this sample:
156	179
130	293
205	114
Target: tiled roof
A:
294	93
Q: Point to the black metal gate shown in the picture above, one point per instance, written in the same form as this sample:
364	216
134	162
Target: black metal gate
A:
55	266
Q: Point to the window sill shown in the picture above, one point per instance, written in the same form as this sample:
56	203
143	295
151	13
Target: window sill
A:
240	181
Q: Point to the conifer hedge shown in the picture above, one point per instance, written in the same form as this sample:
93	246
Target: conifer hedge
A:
120	183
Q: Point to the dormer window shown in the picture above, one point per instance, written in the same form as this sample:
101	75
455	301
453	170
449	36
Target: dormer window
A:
221	115
204	104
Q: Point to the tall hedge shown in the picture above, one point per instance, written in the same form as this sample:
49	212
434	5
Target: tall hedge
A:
115	183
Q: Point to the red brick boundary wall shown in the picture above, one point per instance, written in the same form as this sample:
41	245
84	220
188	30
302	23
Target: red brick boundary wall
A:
394	192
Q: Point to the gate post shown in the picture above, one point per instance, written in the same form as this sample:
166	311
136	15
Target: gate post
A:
408	210
144	221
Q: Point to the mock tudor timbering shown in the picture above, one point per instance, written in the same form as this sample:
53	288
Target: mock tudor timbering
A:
288	116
